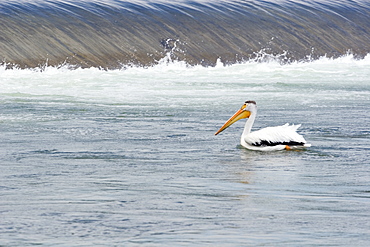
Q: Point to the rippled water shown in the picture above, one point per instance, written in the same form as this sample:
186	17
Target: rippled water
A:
129	157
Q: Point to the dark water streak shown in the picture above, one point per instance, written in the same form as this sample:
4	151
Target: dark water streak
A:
110	34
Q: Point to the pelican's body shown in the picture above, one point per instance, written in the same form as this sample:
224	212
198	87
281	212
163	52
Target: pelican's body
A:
267	139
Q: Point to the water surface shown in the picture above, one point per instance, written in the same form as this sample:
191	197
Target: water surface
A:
129	157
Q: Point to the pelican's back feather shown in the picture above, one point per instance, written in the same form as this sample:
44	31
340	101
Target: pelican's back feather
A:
272	136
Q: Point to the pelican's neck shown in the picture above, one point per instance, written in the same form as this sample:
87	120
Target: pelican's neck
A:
249	123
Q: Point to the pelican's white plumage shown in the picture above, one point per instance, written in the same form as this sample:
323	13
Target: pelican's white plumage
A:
267	139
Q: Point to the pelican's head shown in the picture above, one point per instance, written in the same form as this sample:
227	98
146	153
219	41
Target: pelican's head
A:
244	112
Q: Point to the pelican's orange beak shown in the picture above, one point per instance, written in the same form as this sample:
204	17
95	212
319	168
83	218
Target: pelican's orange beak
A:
240	114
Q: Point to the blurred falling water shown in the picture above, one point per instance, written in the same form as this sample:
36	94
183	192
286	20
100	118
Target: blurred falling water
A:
109	34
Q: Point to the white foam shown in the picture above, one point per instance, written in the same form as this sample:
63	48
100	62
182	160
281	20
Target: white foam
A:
172	80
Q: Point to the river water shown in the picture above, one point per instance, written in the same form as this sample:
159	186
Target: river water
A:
128	157
109	33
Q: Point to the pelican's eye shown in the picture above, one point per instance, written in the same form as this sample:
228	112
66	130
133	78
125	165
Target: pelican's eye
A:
243	106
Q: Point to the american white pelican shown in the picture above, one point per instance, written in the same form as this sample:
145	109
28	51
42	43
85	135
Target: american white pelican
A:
266	139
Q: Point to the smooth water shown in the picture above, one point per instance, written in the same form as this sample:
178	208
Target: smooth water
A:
129	157
109	33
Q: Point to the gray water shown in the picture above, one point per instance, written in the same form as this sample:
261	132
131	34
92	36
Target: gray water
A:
129	157
113	34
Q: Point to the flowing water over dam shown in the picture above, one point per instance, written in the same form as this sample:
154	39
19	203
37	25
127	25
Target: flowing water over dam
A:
115	33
